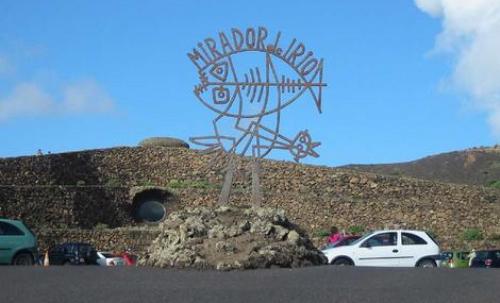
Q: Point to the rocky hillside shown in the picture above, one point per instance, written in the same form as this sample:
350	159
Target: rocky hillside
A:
477	166
96	187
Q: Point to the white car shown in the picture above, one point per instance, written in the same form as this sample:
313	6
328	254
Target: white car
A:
388	248
108	259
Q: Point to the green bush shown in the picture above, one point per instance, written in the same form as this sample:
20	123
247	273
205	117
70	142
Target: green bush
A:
201	184
472	234
101	226
174	183
113	182
356	230
322	233
494	184
146	182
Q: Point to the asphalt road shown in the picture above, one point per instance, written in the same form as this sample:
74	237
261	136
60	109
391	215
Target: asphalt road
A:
76	284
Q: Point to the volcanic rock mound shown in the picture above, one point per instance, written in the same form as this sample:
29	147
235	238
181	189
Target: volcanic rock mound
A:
226	238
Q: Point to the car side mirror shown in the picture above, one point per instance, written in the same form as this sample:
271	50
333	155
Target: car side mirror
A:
366	244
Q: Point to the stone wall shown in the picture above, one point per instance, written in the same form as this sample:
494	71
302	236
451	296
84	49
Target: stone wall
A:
66	206
85	188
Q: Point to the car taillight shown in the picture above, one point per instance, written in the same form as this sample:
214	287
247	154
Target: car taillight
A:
488	262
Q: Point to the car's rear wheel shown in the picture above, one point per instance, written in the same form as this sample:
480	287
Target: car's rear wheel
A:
25	259
342	262
427	263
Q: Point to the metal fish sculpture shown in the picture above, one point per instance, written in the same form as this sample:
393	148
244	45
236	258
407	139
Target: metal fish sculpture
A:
249	101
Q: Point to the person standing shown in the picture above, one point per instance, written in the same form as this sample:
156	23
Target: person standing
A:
334	236
472	255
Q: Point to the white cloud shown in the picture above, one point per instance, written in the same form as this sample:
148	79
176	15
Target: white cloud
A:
86	96
471	32
431	7
26	99
30	99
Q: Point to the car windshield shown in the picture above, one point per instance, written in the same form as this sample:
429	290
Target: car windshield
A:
362	238
481	255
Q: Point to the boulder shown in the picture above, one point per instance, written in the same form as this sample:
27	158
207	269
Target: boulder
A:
230	238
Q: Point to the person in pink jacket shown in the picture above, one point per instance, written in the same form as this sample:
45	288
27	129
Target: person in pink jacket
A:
334	236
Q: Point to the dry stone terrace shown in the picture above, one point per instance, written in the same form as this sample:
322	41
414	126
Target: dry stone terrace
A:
80	190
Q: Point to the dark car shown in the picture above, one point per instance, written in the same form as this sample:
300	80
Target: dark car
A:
73	254
486	258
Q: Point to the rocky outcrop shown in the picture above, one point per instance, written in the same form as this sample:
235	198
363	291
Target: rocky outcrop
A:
226	238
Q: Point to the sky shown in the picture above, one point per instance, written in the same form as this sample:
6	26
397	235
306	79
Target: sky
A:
406	79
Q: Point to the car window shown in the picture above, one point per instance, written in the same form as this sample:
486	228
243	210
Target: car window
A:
384	239
481	255
58	249
69	249
362	238
411	239
446	255
7	229
83	249
349	241
86	250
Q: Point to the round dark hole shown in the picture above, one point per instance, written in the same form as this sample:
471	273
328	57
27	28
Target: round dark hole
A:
151	211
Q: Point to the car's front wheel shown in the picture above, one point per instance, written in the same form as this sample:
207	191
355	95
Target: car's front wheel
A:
427	263
342	262
25	259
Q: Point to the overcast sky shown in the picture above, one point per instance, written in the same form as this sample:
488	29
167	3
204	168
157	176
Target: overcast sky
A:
405	78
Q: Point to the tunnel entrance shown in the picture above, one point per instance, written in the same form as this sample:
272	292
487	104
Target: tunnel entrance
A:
149	205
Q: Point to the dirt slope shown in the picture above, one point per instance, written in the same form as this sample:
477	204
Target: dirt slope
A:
476	166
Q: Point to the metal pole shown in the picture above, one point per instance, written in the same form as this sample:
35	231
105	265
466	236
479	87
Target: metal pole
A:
228	182
256	189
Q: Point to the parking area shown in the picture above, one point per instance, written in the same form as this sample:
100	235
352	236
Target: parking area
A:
312	284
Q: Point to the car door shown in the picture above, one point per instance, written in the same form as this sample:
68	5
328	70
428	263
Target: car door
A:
10	239
412	248
5	246
56	255
380	249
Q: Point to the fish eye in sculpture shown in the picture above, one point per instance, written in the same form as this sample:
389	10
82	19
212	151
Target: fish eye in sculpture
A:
220	95
220	70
